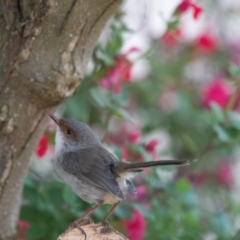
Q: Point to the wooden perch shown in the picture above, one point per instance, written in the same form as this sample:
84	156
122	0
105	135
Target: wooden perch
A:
91	231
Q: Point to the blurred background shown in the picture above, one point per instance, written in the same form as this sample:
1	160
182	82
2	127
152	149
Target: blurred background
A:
163	83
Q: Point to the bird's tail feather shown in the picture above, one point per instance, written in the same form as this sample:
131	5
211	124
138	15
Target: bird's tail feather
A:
138	166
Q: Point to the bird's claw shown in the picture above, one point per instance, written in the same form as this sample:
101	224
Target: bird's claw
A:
105	223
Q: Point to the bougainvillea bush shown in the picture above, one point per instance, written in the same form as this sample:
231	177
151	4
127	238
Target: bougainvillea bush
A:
186	107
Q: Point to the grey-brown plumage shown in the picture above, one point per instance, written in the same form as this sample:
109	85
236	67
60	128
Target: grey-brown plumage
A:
93	173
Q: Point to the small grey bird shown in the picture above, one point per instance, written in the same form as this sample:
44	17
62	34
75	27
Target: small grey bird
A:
92	172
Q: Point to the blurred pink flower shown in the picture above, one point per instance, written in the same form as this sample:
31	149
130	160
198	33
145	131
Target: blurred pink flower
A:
151	146
119	73
131	50
23	226
141	192
125	153
171	37
225	174
235	51
136	226
42	146
206	43
197	178
168	100
134	136
218	92
185	5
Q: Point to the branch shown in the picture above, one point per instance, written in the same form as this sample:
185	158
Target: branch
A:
91	231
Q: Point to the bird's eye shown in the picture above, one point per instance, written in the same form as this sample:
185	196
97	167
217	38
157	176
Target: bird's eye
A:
69	132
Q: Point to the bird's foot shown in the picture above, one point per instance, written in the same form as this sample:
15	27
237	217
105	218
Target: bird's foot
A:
81	230
80	222
105	223
84	221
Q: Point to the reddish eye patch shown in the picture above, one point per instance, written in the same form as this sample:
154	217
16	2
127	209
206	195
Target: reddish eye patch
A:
67	130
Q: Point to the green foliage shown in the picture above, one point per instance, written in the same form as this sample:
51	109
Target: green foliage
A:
175	209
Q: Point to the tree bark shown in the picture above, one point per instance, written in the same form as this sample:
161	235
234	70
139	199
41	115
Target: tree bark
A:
91	232
45	46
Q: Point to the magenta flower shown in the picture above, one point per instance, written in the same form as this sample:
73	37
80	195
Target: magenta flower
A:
185	5
141	192
136	226
171	37
197	178
23	226
218	92
42	146
225	174
134	136
119	73
151	146
206	43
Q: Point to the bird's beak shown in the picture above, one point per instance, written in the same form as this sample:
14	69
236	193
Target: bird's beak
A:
55	119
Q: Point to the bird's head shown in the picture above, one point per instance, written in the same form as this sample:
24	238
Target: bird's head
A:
72	134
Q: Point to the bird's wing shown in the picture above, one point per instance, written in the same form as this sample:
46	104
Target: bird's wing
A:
93	165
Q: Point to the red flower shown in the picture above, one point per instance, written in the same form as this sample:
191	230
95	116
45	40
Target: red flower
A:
136	226
119	73
151	146
134	136
116	75
42	146
206	43
131	50
171	37
225	174
188	4
218	92
23	226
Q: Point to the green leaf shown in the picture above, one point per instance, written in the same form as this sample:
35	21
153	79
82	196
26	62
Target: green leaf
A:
182	185
54	193
189	198
191	144
69	196
94	93
234	119
234	70
37	231
192	217
117	151
124	114
106	57
221	133
30	182
173	24
217	112
122	213
121	99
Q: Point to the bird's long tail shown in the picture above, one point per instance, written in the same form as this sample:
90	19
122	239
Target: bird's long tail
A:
137	167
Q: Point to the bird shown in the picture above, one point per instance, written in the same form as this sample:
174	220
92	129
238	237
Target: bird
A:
93	172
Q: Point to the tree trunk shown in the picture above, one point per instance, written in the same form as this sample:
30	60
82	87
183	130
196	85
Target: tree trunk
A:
45	46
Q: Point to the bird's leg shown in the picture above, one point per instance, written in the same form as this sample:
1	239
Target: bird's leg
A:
80	221
109	213
88	212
